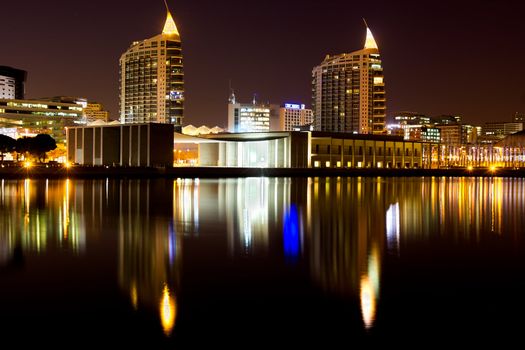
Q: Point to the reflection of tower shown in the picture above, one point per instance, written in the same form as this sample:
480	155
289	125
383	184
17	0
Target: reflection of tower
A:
149	248
346	239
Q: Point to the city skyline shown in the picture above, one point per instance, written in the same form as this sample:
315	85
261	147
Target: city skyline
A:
276	41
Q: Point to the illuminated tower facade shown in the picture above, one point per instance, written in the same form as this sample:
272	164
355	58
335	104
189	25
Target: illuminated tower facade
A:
349	91
152	79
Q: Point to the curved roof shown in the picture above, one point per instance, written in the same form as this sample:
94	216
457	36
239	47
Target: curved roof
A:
513	140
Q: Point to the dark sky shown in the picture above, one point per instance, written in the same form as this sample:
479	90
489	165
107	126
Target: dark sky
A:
440	57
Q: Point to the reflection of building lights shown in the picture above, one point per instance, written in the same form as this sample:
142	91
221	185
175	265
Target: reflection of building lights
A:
291	233
168	310
368	302
369	286
392	225
134	296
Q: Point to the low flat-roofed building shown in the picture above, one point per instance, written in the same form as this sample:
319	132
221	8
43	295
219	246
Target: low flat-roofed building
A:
146	145
310	149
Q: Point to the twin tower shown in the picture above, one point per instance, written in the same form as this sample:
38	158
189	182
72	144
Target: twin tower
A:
348	89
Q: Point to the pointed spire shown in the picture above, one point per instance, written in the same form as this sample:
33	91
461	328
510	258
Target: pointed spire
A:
170	28
370	42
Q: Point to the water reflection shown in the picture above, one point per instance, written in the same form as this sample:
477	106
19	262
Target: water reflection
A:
150	250
36	215
339	232
346	239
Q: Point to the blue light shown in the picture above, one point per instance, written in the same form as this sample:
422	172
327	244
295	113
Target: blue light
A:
291	233
172	243
294	106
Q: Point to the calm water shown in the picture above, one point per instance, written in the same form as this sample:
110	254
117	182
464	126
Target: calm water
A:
245	262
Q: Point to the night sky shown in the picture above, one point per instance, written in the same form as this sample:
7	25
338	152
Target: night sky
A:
440	57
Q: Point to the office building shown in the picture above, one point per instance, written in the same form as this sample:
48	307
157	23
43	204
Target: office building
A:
152	79
31	117
252	117
12	83
293	116
349	91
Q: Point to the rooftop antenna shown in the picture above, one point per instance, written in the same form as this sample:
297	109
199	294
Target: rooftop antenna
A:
166	4
364	20
232	93
254	100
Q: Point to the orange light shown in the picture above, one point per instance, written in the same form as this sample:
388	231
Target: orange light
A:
470	168
493	168
28	164
68	165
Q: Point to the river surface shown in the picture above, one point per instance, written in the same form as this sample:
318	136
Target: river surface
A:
241	263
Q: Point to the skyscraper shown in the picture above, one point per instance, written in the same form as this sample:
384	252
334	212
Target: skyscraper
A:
152	79
349	91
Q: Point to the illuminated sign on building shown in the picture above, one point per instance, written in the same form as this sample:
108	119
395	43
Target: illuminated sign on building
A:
294	106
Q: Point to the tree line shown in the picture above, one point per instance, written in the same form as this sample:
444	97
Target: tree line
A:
36	146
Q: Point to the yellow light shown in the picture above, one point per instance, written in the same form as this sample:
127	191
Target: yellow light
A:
470	168
368	302
28	164
170	28
67	165
168	311
493	168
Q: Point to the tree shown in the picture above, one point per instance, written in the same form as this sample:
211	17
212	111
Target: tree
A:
22	146
41	144
7	144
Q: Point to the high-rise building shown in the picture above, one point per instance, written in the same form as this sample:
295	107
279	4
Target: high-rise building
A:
12	83
349	91
152	79
292	115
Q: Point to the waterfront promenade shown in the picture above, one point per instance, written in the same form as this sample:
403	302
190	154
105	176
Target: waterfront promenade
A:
58	171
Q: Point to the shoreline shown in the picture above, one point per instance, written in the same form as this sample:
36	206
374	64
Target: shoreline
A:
219	172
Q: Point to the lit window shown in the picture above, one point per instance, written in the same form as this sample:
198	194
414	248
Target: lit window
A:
327	164
316	164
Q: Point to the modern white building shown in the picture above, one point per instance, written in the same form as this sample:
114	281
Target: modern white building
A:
349	91
250	117
292	115
152	79
12	83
